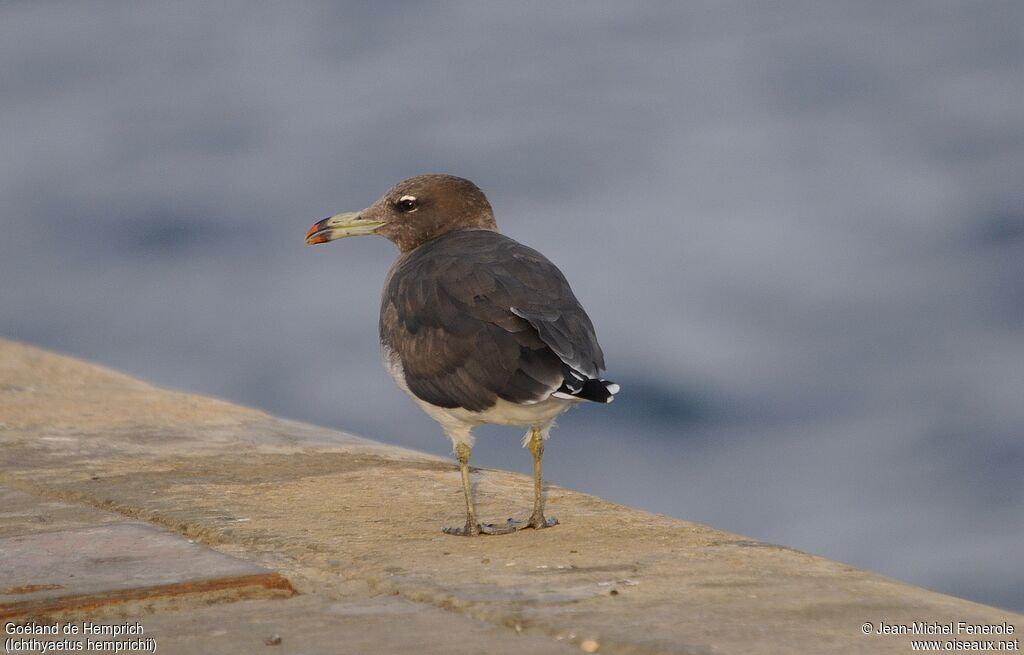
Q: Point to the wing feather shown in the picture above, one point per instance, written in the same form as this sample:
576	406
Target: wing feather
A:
475	316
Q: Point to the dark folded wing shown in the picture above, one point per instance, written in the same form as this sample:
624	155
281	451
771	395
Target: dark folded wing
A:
475	316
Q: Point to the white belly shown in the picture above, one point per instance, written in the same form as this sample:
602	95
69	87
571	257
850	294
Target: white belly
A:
458	422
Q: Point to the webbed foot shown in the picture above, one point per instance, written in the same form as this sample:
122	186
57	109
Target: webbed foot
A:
537	522
473	529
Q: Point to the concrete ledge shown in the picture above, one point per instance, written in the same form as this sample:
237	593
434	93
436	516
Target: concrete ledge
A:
354	527
99	570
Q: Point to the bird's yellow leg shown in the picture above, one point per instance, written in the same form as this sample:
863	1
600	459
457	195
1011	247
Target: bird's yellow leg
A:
537	520
462	451
473	527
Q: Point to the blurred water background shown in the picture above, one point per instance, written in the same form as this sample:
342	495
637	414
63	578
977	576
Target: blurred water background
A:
798	227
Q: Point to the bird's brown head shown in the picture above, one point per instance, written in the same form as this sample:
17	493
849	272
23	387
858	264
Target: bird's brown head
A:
413	212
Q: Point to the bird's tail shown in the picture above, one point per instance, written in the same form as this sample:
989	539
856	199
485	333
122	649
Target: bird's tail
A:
579	387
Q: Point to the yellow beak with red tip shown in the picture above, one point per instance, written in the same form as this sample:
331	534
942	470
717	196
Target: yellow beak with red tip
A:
339	226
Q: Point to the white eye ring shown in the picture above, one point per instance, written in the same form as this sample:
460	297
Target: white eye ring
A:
407	204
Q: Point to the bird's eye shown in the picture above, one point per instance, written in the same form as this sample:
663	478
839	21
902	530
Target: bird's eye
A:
407	203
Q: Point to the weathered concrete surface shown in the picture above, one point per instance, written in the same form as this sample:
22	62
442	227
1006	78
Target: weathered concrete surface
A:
70	572
354	526
316	624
